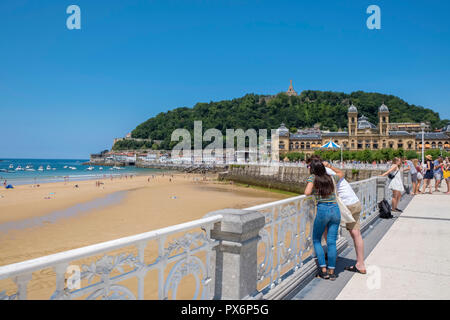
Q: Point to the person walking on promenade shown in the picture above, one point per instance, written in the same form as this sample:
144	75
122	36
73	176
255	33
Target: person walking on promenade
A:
428	174
396	184
412	169
350	199
321	185
438	173
419	175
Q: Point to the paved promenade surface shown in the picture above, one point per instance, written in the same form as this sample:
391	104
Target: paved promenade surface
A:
412	259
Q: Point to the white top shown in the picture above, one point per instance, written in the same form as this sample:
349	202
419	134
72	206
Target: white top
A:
344	190
396	183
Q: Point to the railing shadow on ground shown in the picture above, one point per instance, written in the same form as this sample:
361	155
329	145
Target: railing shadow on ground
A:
262	252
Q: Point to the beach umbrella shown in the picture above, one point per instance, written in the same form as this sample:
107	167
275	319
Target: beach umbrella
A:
331	145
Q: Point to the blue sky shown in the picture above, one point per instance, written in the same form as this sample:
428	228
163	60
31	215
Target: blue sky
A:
67	93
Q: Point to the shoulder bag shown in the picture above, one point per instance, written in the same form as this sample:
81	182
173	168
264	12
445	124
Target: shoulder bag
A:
346	215
392	176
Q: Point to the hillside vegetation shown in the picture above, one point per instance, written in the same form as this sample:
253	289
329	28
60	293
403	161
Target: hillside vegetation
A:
252	111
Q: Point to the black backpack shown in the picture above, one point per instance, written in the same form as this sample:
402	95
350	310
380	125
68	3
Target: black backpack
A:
385	209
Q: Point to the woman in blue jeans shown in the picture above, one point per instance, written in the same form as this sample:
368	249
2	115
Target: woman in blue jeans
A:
321	186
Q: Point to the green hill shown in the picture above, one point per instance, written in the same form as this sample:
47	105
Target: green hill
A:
261	112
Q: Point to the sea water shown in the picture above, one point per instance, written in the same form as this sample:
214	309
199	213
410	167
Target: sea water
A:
59	170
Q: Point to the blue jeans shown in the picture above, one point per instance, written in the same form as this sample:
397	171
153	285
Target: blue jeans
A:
328	215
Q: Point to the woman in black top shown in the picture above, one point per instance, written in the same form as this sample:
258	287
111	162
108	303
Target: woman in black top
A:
428	174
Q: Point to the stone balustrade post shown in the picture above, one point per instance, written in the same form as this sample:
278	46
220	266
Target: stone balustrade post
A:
381	188
236	254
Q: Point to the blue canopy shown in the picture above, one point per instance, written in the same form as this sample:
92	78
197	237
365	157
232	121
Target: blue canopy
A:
331	145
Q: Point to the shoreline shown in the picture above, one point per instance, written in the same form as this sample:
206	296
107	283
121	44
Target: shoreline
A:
70	178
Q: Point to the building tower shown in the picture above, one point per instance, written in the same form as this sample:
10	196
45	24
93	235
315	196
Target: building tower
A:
291	91
383	117
352	121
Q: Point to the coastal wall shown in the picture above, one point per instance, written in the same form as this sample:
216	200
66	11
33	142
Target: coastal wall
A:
163	166
104	163
284	178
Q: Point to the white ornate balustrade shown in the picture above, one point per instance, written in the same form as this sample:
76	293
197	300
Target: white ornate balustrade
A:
356	166
182	255
176	252
188	164
286	239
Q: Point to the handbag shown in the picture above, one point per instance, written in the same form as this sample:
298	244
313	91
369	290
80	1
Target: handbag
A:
392	176
346	215
446	174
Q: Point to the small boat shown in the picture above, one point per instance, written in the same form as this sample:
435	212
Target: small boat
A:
48	168
73	168
117	168
28	167
19	168
101	168
41	168
90	168
65	167
11	166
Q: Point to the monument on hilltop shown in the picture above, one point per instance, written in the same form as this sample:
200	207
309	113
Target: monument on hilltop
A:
291	91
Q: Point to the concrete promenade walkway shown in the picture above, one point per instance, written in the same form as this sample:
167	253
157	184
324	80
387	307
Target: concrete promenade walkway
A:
412	260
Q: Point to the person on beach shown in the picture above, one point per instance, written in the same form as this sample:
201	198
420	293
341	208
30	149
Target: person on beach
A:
438	173
396	184
321	185
351	200
429	174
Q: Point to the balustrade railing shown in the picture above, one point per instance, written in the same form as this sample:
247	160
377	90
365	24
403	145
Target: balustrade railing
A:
286	239
211	164
152	265
109	266
366	192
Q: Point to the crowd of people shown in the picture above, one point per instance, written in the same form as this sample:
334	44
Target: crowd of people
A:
331	191
422	175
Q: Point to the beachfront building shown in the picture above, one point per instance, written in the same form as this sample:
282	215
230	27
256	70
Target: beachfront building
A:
362	135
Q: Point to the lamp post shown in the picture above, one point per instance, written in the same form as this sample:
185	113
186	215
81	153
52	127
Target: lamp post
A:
422	125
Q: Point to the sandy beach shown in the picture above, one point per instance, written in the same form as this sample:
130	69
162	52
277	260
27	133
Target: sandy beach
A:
28	228
146	204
